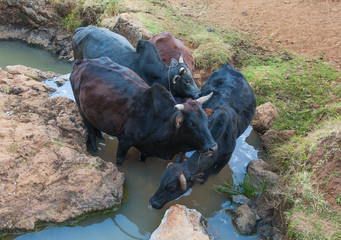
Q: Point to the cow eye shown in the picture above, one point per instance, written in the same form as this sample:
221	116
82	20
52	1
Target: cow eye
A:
171	187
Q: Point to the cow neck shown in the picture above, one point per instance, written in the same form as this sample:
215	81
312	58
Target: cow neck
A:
169	83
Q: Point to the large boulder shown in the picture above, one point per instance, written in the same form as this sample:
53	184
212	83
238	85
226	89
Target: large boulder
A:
127	25
46	175
265	117
28	13
181	223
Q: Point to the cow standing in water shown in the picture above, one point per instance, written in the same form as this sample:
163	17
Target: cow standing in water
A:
113	99
234	105
93	42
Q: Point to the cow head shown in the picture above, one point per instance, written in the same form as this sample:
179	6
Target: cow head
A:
174	182
180	80
192	126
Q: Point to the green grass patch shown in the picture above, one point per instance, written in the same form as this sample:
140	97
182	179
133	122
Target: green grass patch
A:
306	92
246	187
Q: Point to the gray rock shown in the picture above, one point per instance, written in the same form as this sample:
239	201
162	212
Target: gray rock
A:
240	199
131	28
272	137
260	172
244	219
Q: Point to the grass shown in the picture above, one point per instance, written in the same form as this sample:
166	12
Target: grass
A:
310	215
99	9
246	187
306	92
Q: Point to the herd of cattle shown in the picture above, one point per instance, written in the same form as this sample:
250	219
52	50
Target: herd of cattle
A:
148	99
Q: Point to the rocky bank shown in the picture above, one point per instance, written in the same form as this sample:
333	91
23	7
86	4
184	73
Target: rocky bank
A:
46	175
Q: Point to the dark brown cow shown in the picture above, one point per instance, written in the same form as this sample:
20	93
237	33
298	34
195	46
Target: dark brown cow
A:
169	47
115	100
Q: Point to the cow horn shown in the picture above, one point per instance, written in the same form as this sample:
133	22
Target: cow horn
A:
182	70
204	99
179	107
169	165
183	182
181	59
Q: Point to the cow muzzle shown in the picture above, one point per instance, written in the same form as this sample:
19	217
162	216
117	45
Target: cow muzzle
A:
210	151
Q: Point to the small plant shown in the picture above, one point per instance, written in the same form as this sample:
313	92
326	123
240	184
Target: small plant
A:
338	199
12	148
6	89
246	187
57	143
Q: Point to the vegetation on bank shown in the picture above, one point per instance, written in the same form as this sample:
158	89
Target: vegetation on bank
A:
306	91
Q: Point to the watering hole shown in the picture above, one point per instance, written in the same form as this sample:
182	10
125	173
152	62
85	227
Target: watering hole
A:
135	219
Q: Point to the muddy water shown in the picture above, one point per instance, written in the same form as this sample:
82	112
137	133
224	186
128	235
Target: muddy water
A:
135	219
15	52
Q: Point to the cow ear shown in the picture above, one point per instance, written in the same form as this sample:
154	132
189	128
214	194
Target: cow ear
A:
208	111
197	178
174	63
178	120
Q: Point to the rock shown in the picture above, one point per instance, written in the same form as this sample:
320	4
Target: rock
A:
131	28
36	22
29	14
181	223
260	172
240	199
46	175
272	137
30	72
60	80
244	219
264	117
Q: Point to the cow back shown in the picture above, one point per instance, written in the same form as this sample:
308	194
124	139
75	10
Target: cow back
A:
231	91
169	47
92	42
106	92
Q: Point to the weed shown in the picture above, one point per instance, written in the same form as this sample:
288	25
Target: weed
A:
246	187
6	89
338	199
57	143
12	148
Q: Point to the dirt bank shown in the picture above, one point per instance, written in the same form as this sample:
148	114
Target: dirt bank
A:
46	175
306	27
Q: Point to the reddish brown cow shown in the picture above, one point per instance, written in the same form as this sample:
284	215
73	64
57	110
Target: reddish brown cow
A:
169	47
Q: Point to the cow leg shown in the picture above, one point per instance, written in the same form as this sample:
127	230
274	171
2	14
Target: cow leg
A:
92	139
92	132
143	157
98	133
122	150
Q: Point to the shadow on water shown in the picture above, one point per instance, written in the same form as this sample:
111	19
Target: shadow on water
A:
136	219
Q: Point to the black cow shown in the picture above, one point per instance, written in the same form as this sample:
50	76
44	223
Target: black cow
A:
94	42
113	99
234	105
